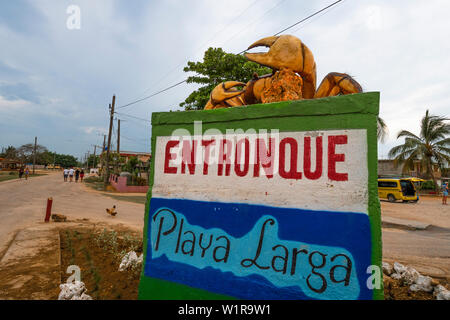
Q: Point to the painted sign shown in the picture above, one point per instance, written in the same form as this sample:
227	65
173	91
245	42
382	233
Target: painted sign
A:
272	201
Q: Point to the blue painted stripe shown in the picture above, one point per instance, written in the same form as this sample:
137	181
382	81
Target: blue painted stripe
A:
347	230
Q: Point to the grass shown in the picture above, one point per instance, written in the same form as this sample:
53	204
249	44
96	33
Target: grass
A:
98	255
11	175
95	183
135	199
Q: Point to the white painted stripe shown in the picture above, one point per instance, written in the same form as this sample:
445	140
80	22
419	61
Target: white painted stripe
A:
320	194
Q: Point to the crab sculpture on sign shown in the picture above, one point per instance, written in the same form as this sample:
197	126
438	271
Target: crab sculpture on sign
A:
293	77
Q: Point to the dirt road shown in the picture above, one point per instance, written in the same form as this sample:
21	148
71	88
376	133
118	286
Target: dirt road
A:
426	250
23	204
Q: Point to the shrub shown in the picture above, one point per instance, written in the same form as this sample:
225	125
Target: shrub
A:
93	179
428	185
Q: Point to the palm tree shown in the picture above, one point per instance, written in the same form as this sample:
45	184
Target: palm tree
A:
382	130
433	145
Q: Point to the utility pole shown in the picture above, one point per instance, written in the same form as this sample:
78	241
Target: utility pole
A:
111	118
103	150
93	160
118	144
118	136
34	153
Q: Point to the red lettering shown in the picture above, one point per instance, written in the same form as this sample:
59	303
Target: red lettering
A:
264	157
224	158
333	158
170	156
237	164
189	161
292	173
207	144
307	159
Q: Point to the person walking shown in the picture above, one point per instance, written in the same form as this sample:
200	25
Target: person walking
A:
21	172
444	193
77	175
82	175
66	174
71	172
27	173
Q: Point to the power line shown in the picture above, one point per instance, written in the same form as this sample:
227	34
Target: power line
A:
205	43
254	21
229	39
310	21
181	82
136	142
135	139
129	115
135	123
308	17
152	95
303	20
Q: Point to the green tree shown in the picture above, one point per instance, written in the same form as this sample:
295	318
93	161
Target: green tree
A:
131	165
25	152
382	130
114	159
66	160
9	153
45	158
217	66
93	160
431	146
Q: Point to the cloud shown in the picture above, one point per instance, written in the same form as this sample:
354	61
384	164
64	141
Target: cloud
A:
18	91
8	105
90	130
21	16
10	72
63	80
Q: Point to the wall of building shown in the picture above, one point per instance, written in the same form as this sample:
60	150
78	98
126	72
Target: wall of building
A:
120	184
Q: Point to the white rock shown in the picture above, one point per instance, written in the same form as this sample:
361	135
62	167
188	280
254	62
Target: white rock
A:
387	269
130	259
83	296
71	290
423	283
410	276
441	293
396	276
399	268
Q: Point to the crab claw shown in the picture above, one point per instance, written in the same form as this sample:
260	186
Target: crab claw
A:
226	95
226	91
285	51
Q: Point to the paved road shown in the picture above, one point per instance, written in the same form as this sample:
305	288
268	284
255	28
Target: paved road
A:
23	204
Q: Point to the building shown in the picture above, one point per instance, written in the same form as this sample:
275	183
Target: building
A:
387	169
141	156
9	164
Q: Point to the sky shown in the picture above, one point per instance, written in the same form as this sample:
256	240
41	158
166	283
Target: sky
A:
57	77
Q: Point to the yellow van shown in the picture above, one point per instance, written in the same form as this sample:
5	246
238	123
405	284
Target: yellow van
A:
397	189
417	182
